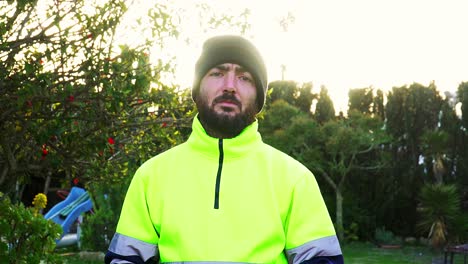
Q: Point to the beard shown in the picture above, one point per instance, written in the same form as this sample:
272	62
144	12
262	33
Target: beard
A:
224	125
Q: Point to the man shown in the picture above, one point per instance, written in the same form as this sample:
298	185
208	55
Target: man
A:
224	196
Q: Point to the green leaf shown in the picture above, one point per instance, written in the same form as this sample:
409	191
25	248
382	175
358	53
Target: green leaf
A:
29	68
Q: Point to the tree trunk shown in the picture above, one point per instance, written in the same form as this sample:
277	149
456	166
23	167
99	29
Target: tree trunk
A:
339	214
47	183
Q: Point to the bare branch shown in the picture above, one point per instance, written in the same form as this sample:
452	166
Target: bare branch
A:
4	174
9	154
369	149
327	178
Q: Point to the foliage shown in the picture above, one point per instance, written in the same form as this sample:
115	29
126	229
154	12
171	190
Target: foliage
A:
410	112
386	237
351	233
26	237
378	107
98	227
439	209
346	144
462	94
277	118
361	100
324	110
420	139
331	150
210	18
292	93
461	158
435	144
73	102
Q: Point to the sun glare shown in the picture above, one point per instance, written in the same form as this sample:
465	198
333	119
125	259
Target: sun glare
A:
344	44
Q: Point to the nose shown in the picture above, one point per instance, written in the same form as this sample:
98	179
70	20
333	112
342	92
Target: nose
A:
229	82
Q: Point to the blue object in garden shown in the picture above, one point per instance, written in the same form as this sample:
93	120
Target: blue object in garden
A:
67	211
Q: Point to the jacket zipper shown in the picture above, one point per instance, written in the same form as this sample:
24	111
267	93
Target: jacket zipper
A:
218	175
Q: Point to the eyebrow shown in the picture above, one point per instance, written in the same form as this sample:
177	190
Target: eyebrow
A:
223	67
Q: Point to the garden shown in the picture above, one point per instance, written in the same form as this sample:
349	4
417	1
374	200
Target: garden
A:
355	253
80	110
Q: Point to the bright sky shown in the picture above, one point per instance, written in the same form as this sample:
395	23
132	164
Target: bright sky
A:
349	44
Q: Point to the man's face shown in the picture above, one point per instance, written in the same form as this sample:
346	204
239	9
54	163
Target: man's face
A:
227	100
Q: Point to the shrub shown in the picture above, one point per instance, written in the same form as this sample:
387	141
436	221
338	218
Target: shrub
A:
25	235
351	233
386	237
439	213
99	228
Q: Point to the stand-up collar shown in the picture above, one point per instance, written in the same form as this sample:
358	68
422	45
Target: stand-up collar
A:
245	142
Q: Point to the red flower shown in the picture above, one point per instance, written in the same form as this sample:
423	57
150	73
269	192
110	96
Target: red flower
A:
44	151
164	124
111	141
76	181
71	98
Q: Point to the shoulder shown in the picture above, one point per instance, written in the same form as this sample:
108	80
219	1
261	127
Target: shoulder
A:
283	159
169	158
285	165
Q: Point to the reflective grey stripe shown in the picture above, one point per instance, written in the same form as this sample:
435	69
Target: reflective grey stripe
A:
128	246
327	246
208	262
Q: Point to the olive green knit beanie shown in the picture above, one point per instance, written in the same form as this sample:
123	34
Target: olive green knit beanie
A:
232	49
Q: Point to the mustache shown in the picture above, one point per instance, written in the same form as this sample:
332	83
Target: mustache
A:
227	97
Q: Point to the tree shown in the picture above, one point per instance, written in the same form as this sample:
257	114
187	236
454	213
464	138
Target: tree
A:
462	94
78	103
290	130
345	141
324	110
410	112
73	103
462	153
332	150
361	100
435	144
378	108
305	98
295	94
439	209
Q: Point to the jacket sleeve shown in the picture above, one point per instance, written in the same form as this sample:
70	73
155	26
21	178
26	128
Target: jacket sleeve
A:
310	235
136	239
325	260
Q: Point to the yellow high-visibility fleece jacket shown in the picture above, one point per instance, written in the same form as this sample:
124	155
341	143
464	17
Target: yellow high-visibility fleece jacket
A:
213	200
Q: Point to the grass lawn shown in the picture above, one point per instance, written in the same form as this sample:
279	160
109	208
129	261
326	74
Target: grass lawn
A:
366	253
356	253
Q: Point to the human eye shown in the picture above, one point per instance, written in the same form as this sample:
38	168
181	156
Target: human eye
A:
246	78
216	73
